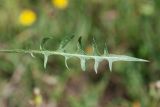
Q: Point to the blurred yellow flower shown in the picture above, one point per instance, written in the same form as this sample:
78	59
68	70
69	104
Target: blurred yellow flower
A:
27	17
60	4
38	100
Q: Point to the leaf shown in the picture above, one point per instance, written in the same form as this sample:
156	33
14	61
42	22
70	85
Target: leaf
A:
44	40
64	42
83	57
95	48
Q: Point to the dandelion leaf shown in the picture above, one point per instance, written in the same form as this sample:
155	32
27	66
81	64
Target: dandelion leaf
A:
80	54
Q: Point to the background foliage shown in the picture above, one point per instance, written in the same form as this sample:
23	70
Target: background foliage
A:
130	27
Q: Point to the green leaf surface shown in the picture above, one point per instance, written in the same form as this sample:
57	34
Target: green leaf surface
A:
64	42
44	40
79	46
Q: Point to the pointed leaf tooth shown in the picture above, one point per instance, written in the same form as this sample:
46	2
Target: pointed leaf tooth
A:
97	61
32	55
66	58
96	67
44	40
110	64
45	60
95	48
83	63
106	50
65	41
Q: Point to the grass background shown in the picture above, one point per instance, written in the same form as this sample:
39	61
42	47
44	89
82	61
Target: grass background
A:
130	27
